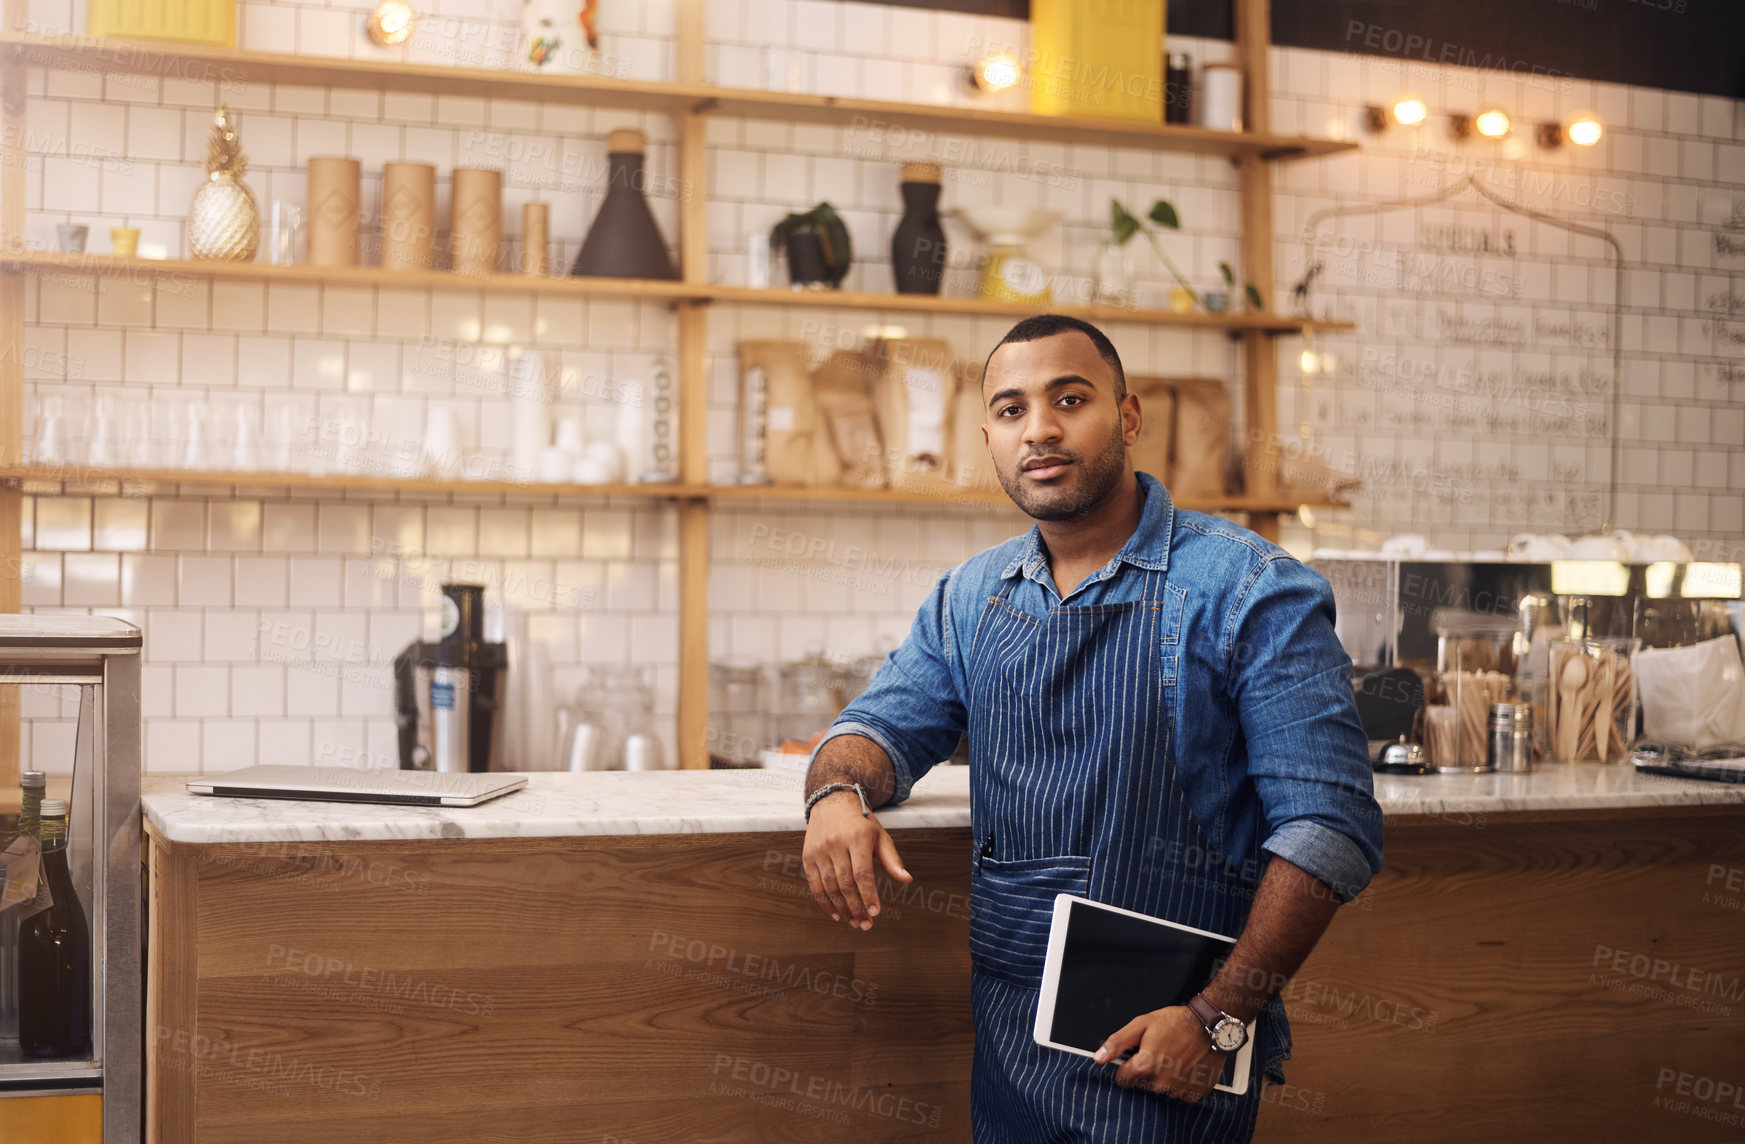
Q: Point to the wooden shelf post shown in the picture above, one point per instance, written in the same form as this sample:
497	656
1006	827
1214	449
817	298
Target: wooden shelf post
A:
12	168
1259	349
693	378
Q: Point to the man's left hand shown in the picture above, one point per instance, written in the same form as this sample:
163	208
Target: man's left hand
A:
1172	1054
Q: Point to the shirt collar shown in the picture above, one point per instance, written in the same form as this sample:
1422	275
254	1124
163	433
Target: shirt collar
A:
1147	548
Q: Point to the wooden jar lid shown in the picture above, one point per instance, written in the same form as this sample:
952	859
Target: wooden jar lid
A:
921	172
626	140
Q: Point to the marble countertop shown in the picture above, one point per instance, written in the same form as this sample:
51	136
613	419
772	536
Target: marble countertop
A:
704	802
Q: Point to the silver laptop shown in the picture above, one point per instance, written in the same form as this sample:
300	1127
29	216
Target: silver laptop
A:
348	784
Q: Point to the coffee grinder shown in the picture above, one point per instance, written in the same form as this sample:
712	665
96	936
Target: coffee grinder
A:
448	694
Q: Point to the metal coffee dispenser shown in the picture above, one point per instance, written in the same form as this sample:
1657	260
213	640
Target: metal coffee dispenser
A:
448	695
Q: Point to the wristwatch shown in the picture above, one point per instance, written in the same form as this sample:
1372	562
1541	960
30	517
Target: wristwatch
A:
1227	1033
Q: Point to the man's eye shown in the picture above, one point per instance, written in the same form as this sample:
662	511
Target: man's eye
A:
1074	398
1008	409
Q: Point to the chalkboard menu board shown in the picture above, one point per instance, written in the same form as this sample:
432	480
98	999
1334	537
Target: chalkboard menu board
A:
1682	45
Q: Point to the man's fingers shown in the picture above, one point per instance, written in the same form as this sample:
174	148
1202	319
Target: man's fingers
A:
845	885
864	882
817	885
888	855
1122	1039
832	889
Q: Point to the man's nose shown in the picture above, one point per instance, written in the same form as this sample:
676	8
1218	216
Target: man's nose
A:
1041	426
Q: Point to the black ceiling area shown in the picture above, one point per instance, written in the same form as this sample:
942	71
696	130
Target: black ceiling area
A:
1683	45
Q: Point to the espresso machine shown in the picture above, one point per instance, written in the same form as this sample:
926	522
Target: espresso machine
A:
448	695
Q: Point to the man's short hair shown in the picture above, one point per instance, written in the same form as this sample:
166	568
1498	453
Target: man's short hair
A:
1047	325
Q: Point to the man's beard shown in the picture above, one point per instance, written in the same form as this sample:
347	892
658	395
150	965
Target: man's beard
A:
1098	477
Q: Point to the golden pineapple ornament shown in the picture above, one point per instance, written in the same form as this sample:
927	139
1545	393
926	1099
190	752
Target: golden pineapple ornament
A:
224	223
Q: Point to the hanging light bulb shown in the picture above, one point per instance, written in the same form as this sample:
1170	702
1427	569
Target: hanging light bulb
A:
1492	123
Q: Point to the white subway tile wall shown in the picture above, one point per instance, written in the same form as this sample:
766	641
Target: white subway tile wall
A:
1474	400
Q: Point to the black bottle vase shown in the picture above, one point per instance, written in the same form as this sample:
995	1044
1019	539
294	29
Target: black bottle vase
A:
918	245
624	241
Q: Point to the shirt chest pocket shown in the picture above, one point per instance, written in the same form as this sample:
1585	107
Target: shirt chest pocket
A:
1171	608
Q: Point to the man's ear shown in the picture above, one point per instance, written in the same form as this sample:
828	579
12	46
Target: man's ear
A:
1131	418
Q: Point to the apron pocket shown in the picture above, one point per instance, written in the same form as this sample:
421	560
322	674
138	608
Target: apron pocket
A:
1011	907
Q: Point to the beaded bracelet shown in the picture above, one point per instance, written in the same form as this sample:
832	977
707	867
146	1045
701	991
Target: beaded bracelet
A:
832	788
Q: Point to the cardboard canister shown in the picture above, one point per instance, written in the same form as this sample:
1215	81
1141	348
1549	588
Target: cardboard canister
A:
476	226
536	240
335	189
408	215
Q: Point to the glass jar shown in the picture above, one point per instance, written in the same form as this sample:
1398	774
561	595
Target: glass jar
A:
1592	700
1476	660
618	703
808	699
736	714
1113	281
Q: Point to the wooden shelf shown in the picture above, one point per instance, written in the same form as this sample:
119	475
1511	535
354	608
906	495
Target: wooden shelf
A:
42	262
120	481
106	266
930	304
137	482
882	115
228	66
978	498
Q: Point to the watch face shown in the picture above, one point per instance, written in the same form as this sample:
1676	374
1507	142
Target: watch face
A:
1229	1035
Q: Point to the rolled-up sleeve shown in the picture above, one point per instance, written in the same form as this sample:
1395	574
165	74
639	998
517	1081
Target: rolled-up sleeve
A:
1307	755
912	708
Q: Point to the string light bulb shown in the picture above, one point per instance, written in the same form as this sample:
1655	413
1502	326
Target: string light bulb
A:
391	22
1584	129
1492	123
997	70
1409	110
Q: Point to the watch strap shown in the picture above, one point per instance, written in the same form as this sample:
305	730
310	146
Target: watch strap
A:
1205	1012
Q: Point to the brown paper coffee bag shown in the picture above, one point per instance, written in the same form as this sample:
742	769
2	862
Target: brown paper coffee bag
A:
796	448
1202	438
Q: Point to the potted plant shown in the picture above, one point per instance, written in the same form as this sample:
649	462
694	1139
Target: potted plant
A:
1123	225
817	247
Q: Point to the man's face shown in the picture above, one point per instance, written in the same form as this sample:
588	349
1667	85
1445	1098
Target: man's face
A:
1056	432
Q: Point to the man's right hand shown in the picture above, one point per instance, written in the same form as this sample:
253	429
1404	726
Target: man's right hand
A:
838	858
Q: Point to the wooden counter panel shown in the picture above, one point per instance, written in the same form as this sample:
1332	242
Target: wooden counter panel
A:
776	1117
1460	998
608	895
366	991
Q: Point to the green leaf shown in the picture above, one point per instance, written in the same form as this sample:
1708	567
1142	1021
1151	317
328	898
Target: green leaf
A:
1229	275
1163	214
1253	296
1122	225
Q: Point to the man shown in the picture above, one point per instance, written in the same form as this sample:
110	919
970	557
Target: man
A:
1159	717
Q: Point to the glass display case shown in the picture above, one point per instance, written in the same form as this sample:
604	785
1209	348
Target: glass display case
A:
71	1003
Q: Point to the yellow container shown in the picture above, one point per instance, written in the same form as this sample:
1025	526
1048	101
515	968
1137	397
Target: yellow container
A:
52	1119
1098	58
188	21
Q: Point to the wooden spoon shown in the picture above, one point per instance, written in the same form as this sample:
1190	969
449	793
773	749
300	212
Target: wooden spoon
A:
1602	712
1570	681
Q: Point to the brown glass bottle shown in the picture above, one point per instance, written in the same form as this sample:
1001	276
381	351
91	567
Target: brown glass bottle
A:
54	956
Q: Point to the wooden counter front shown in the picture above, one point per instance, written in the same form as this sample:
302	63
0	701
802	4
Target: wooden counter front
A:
678	988
632	989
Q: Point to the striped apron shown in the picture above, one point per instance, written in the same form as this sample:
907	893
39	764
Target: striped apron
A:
1073	789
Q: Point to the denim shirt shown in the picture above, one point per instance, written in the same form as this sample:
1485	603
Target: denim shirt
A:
1269	748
